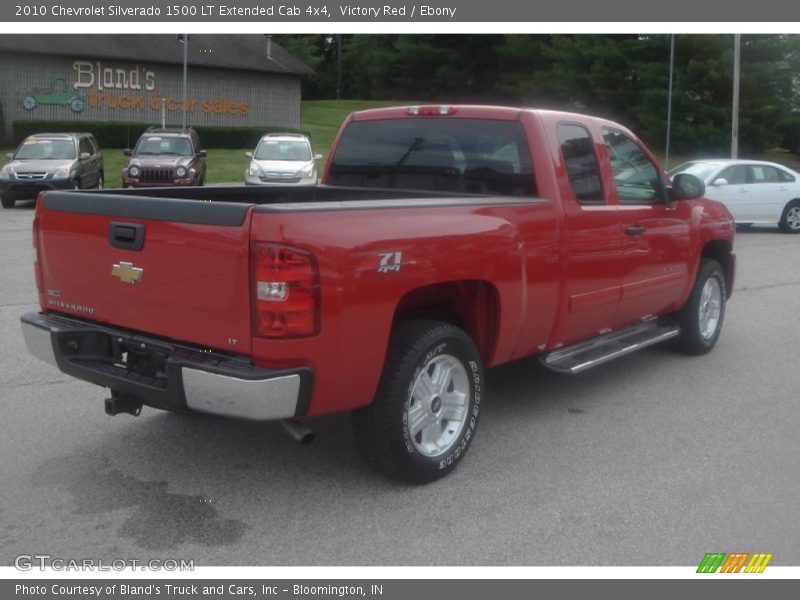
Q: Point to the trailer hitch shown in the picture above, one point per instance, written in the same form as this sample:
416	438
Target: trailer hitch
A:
122	403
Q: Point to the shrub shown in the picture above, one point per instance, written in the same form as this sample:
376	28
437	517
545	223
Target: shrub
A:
124	135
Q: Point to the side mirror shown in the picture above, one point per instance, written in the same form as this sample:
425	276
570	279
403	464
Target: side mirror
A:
127	152
9	155
248	154
720	181
85	156
317	156
202	153
686	186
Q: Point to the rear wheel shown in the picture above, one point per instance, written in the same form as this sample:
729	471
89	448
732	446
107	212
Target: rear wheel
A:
425	413
701	317
790	219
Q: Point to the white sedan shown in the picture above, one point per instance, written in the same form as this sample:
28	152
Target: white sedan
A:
756	192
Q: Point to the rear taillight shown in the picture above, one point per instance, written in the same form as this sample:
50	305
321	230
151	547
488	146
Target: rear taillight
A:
285	291
36	268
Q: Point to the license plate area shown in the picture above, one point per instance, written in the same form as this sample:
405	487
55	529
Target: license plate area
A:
125	358
139	357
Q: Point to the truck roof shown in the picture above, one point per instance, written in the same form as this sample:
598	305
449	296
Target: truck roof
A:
479	111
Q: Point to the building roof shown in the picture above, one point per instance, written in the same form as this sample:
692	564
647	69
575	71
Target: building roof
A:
225	51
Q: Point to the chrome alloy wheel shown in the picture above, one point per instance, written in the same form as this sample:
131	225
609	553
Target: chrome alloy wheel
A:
710	308
437	409
793	218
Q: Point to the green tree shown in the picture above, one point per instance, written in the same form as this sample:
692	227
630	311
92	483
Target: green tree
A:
621	77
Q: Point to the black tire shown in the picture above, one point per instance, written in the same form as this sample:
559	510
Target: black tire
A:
789	222
382	429
7	202
692	338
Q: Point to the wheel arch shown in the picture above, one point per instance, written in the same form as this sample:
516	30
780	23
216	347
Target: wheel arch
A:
722	252
782	219
473	305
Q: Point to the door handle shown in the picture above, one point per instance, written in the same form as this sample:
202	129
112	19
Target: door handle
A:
743	191
635	229
126	236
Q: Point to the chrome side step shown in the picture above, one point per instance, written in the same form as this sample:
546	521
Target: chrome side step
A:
603	348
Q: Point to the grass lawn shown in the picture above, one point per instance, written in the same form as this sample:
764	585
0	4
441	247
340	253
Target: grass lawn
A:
322	119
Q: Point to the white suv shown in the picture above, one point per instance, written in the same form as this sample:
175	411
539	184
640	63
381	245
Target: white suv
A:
282	159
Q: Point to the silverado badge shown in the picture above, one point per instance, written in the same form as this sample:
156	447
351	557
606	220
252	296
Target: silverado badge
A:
126	272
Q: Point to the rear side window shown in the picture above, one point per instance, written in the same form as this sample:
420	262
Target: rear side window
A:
85	146
583	171
786	177
449	154
764	174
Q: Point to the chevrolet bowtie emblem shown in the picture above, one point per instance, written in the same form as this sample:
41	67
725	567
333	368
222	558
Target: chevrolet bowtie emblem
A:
126	272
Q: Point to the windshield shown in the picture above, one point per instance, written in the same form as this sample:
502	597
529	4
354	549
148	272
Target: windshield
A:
178	146
46	150
474	156
699	169
295	150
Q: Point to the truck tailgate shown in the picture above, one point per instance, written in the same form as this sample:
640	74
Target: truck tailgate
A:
169	267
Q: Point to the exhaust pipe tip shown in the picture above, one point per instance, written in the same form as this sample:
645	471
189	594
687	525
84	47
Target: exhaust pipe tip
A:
298	431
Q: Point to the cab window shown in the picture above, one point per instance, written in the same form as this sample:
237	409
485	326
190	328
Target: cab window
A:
451	154
583	170
636	177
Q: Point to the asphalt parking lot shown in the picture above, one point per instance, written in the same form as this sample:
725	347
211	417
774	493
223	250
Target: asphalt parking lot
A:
654	459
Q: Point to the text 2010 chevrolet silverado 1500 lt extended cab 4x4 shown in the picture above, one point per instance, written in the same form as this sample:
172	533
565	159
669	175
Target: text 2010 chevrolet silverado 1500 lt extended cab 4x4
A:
445	240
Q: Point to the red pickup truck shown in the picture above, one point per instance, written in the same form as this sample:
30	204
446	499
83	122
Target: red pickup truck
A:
444	239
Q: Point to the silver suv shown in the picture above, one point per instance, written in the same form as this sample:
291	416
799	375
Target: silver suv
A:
51	161
282	159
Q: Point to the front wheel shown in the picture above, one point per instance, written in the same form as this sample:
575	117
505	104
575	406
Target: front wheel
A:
7	202
701	317
790	219
425	412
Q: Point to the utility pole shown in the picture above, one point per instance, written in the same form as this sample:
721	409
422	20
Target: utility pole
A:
185	39
338	66
669	98
737	42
